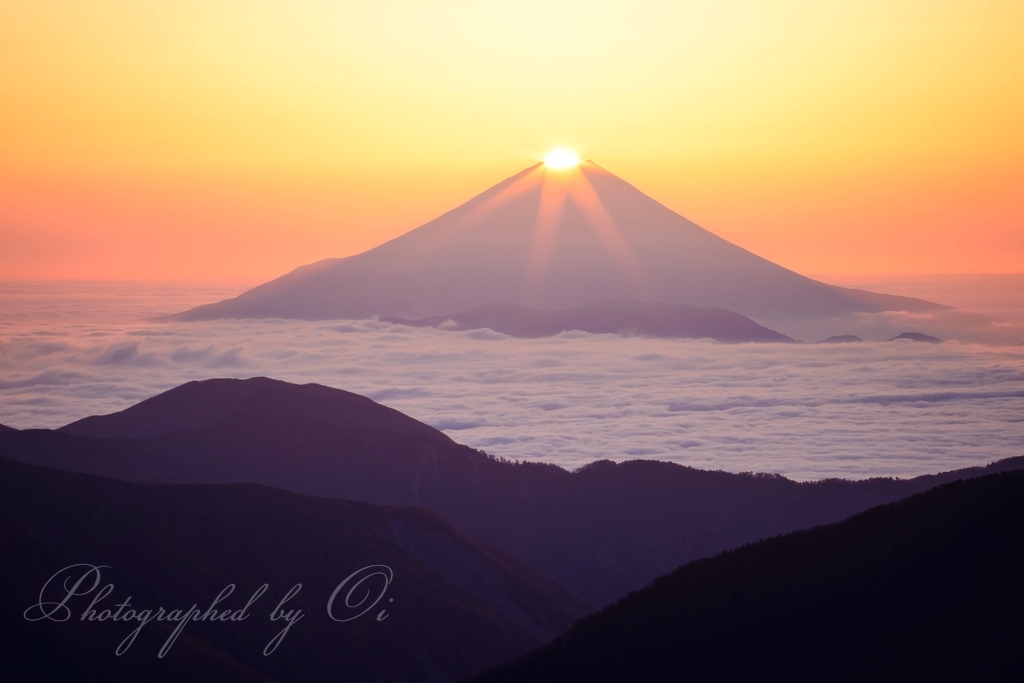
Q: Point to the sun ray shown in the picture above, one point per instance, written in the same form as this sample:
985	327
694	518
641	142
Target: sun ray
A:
526	182
563	181
553	194
533	178
593	209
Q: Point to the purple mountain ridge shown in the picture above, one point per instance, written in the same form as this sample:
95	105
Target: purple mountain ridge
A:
459	606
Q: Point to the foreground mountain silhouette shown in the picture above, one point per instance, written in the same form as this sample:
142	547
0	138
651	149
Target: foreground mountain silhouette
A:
607	317
454	606
600	531
550	240
927	589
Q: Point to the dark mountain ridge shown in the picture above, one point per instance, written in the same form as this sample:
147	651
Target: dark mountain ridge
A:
601	531
454	606
199	405
924	589
607	317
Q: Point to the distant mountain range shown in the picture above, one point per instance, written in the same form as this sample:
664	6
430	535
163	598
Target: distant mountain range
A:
454	606
550	241
926	589
601	531
607	317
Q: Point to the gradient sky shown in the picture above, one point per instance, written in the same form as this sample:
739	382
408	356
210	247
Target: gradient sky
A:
221	139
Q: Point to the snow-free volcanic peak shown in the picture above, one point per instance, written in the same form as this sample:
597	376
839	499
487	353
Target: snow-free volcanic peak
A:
550	239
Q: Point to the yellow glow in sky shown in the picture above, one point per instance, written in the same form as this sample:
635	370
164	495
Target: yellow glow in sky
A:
225	138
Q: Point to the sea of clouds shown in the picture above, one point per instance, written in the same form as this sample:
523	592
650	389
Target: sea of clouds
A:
805	411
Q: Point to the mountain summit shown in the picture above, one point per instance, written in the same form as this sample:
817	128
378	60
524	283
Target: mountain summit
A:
549	239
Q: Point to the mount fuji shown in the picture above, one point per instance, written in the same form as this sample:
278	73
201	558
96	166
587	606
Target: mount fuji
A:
550	239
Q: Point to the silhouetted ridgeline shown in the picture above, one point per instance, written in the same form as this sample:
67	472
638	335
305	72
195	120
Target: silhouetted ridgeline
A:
927	589
5	428
600	532
608	317
457	606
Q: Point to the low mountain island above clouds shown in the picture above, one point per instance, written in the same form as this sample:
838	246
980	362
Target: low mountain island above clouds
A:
454	606
926	589
552	241
917	337
903	336
607	317
842	339
601	531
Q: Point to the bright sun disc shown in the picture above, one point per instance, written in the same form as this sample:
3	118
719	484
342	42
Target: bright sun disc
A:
561	158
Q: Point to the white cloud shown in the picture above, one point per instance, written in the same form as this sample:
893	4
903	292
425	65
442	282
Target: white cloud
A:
807	411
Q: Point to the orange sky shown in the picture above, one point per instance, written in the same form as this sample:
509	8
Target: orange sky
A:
221	139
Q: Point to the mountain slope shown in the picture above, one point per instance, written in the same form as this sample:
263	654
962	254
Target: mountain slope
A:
549	240
45	652
454	606
198	405
607	317
917	337
842	339
600	531
925	589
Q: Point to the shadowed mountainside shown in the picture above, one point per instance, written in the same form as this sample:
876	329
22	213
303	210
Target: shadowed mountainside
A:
842	339
604	241
607	317
925	589
5	428
454	606
918	337
600	531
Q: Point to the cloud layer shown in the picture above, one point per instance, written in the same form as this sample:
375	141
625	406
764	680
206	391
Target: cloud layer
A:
806	411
